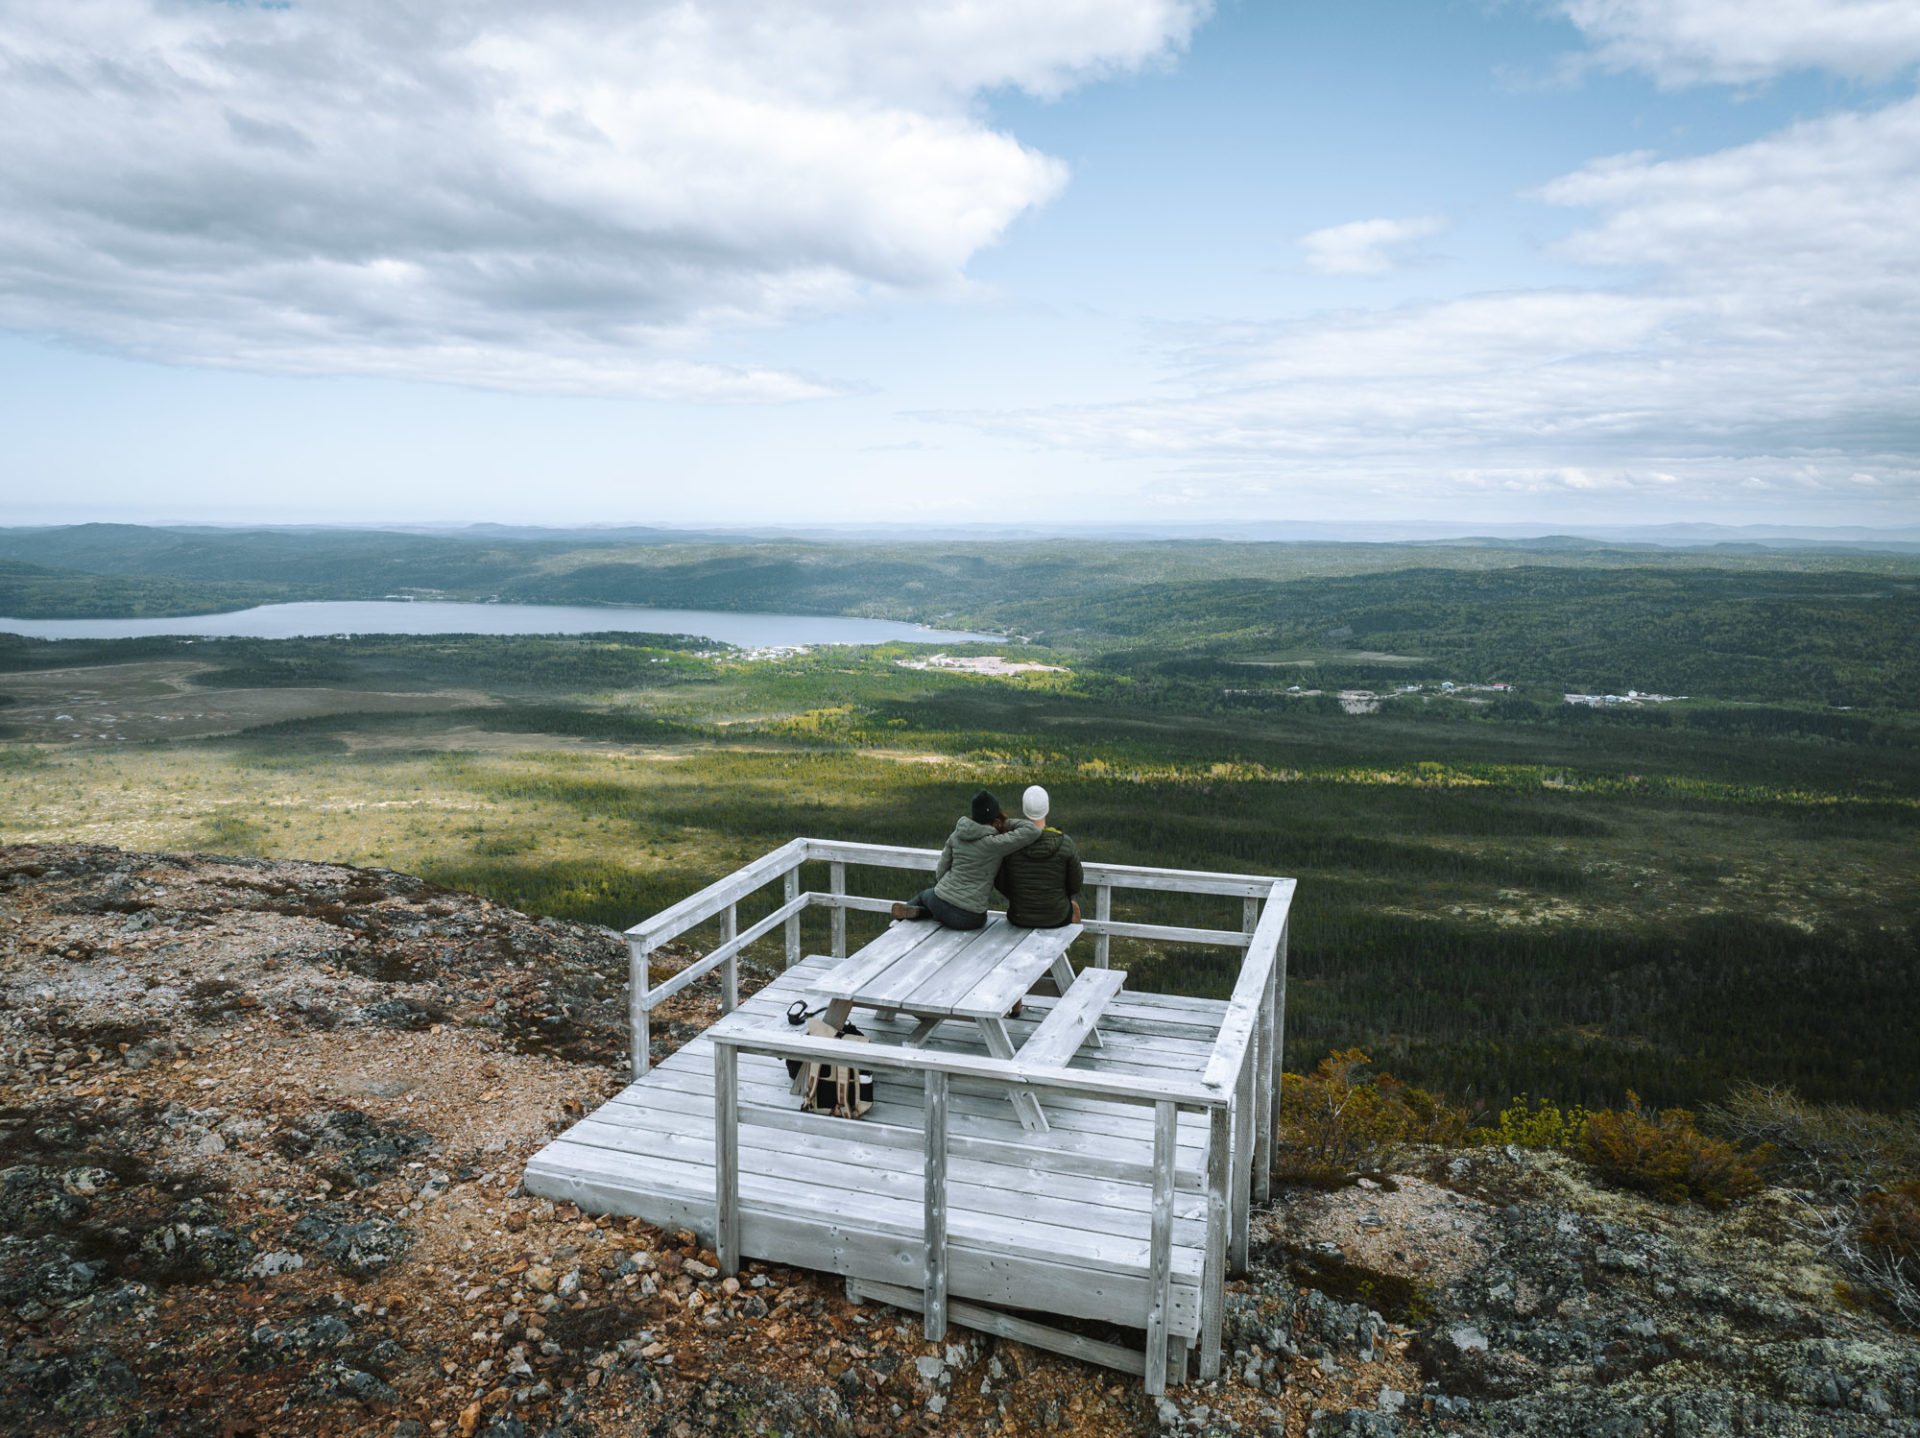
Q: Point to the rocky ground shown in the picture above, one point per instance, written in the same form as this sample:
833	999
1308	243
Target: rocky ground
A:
261	1132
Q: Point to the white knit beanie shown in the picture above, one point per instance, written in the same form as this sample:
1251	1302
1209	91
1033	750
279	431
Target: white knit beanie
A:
1033	803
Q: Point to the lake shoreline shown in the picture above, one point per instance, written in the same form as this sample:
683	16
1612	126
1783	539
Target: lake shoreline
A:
308	619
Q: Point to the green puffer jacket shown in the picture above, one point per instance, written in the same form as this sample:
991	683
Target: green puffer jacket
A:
1041	881
972	857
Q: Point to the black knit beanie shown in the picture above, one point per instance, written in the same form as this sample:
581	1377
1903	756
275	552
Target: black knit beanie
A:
986	808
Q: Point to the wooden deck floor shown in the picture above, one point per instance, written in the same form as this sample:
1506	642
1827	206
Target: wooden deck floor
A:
1054	1223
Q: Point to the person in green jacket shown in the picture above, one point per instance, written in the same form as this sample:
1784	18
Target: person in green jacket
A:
1042	880
963	879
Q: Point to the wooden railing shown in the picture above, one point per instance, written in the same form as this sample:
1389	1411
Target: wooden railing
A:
1237	1090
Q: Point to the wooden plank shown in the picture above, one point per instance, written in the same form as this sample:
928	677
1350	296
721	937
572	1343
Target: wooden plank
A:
1034	1191
1263	1096
889	1202
729	947
1001	1140
730	969
726	1159
1121	876
1239	1205
1280	1017
1180	881
897	1082
1080	1208
1219	938
1128	1055
1046	1079
982	1270
1213	1279
934	1223
874	856
1080	1127
1067	1025
1006	1325
899	985
837	890
1030	958
1102	914
639	1011
1243	1009
954	976
1006	1154
1160	1246
697	908
888	949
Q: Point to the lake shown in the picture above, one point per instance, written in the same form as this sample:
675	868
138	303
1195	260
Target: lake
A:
295	621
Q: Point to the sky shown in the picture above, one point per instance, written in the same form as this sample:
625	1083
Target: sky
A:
1514	262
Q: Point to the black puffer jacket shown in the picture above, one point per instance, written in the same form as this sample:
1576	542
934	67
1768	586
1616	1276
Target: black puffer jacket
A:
1041	881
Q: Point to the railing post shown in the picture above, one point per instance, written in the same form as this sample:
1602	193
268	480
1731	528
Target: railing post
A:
837	886
730	970
726	1158
791	891
638	1037
1213	1274
1240	1235
1280	1017
934	1277
1103	911
1264	1092
1166	1133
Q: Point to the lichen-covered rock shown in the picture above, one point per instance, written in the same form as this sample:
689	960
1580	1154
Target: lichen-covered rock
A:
338	1380
356	1245
194	1243
34	1198
301	1338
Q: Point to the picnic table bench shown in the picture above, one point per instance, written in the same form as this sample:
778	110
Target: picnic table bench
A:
937	974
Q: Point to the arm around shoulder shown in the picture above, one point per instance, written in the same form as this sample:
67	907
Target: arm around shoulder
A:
1020	833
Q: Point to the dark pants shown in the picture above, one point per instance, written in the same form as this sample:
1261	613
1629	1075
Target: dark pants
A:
928	902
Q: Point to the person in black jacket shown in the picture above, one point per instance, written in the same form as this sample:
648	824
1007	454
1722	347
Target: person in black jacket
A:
1042	880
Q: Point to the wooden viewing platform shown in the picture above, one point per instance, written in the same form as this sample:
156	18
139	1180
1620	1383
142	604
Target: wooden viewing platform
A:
1116	1185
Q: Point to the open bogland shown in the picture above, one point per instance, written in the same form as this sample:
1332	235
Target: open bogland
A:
261	1127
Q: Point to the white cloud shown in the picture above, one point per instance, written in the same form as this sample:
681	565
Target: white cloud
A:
1366	247
1684	42
568	196
1764	332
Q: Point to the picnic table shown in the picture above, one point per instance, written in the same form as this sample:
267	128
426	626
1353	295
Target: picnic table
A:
937	974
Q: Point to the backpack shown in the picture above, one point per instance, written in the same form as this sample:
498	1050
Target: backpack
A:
830	1088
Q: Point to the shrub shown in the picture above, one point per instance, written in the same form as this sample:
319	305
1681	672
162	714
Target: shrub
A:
1814	1143
1666	1155
1537	1123
1341	1120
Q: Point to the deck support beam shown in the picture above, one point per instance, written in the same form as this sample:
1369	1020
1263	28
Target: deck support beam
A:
726	1158
934	1279
1005	1325
837	886
1166	1134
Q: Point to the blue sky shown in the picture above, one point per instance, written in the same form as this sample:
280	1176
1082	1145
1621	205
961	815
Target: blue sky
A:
1605	261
